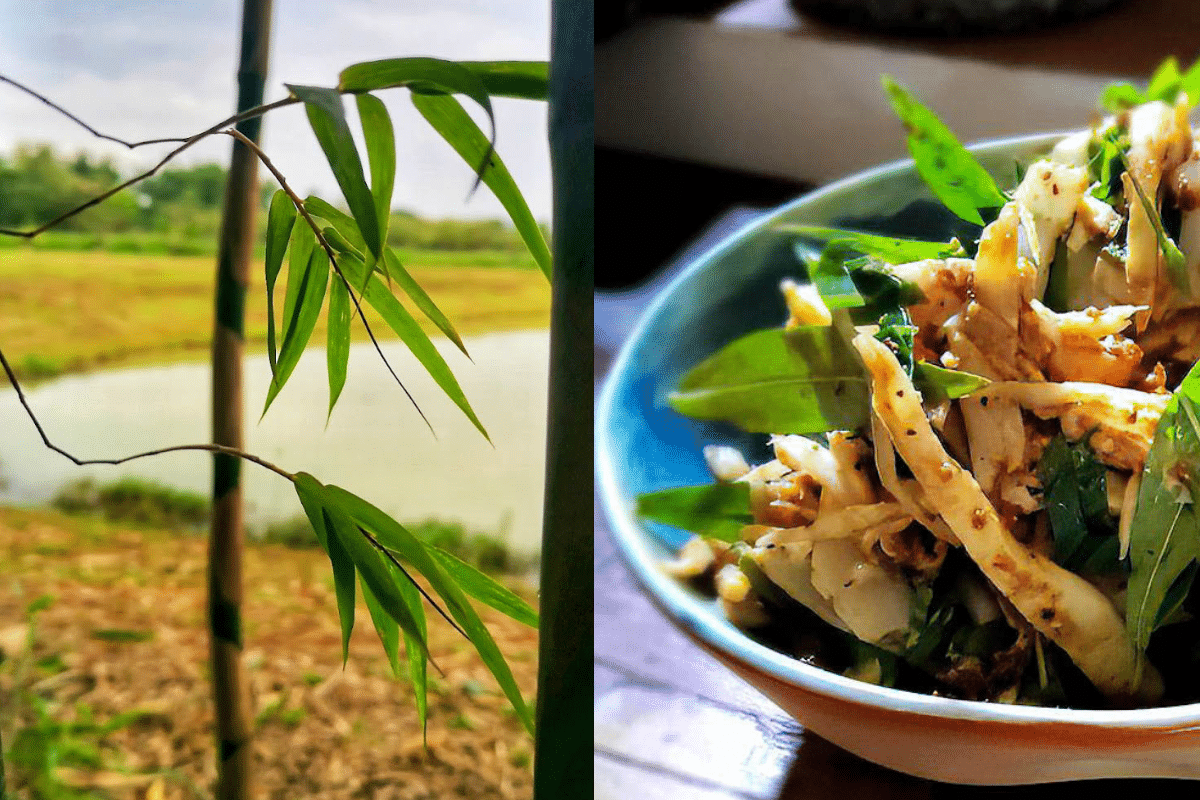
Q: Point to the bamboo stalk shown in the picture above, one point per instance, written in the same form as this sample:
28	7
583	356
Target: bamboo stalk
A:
562	766
234	721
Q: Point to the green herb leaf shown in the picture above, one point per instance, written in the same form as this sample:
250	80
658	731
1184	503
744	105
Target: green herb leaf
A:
938	384
831	278
1119	97
1176	263
417	341
1166	82
337	348
805	380
308	276
1164	538
447	116
381	158
280	218
883	291
327	118
891	249
407	547
1058	284
950	171
1075	491
717	511
1106	162
311	498
896	331
485	589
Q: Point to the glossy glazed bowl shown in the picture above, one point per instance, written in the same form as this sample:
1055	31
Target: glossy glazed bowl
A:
642	445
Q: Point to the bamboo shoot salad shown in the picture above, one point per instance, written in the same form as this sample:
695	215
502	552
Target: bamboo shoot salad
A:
986	453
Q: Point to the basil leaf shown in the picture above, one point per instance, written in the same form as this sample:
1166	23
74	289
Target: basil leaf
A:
804	380
950	171
1075	490
1106	162
938	384
1164	538
717	511
831	278
882	290
892	249
1176	263
896	331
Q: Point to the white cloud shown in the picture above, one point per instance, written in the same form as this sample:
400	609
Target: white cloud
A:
144	70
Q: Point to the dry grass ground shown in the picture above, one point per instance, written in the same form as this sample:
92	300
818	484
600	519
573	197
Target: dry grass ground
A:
124	630
72	311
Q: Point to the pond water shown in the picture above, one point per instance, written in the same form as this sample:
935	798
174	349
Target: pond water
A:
375	444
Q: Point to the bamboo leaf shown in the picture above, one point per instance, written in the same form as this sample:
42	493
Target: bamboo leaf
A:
717	511
280	218
417	341
1164	537
524	80
451	121
337	348
419	73
328	120
804	380
381	156
950	171
891	249
385	627
396	538
301	308
372	565
310	495
352	243
389	636
402	278
485	589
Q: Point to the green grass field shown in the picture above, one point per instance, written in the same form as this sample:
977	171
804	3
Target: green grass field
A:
66	311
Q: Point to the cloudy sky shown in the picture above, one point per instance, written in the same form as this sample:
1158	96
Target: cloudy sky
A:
141	70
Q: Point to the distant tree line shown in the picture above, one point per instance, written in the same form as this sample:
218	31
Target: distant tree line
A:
180	205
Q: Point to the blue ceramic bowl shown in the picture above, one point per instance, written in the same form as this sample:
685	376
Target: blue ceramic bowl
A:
642	445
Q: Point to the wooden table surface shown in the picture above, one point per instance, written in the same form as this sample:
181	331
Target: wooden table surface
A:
673	724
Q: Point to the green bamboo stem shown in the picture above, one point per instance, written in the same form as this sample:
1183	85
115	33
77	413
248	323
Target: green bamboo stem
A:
234	721
562	765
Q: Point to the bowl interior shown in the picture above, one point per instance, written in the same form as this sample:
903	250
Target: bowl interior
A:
643	445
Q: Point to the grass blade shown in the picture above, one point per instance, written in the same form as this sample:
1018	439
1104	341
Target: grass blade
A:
395	537
280	219
302	308
451	121
337	349
485	589
328	120
417	341
381	156
310	494
949	170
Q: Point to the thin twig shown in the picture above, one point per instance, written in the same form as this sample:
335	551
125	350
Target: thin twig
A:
191	140
299	204
211	448
388	552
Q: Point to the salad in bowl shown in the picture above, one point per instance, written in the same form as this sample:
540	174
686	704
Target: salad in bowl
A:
974	463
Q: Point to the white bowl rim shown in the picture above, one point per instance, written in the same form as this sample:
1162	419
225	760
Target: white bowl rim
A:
631	544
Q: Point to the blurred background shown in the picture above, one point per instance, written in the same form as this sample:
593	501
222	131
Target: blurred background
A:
709	112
